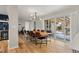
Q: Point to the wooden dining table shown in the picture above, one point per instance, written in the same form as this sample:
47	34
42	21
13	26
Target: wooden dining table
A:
43	34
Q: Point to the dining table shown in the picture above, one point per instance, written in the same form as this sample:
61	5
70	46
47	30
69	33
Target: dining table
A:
43	34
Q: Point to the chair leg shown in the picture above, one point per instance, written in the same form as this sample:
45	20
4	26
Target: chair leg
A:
74	51
35	41
46	41
40	43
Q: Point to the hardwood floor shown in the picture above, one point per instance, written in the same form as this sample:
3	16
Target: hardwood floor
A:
26	46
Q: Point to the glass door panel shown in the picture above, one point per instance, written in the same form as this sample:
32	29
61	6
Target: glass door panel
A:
53	27
46	24
60	32
67	29
60	28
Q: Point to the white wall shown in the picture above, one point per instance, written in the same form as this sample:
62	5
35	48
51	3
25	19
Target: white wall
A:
74	44
27	26
53	27
13	26
31	25
22	24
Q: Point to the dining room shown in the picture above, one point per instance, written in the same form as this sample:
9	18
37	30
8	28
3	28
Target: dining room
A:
42	32
46	29
34	28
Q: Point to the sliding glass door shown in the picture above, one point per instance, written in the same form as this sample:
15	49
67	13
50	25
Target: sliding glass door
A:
62	32
67	28
59	31
60	28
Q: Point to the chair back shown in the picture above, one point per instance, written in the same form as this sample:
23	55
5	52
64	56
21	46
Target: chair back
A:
42	30
38	34
48	31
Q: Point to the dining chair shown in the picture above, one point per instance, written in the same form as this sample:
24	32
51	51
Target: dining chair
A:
41	39
32	36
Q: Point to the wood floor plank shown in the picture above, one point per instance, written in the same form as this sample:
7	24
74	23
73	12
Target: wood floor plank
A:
26	46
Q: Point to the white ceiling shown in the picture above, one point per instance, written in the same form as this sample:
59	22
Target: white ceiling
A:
43	11
28	10
40	9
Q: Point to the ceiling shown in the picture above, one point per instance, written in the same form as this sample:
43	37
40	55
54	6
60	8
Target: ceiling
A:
40	9
43	11
28	10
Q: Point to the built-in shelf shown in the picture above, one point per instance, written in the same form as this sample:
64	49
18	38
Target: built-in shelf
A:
4	21
4	26
4	31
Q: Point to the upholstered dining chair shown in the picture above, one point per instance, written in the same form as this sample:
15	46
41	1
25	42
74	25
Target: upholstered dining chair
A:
41	39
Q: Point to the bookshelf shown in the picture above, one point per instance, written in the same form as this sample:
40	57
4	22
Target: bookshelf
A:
4	27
